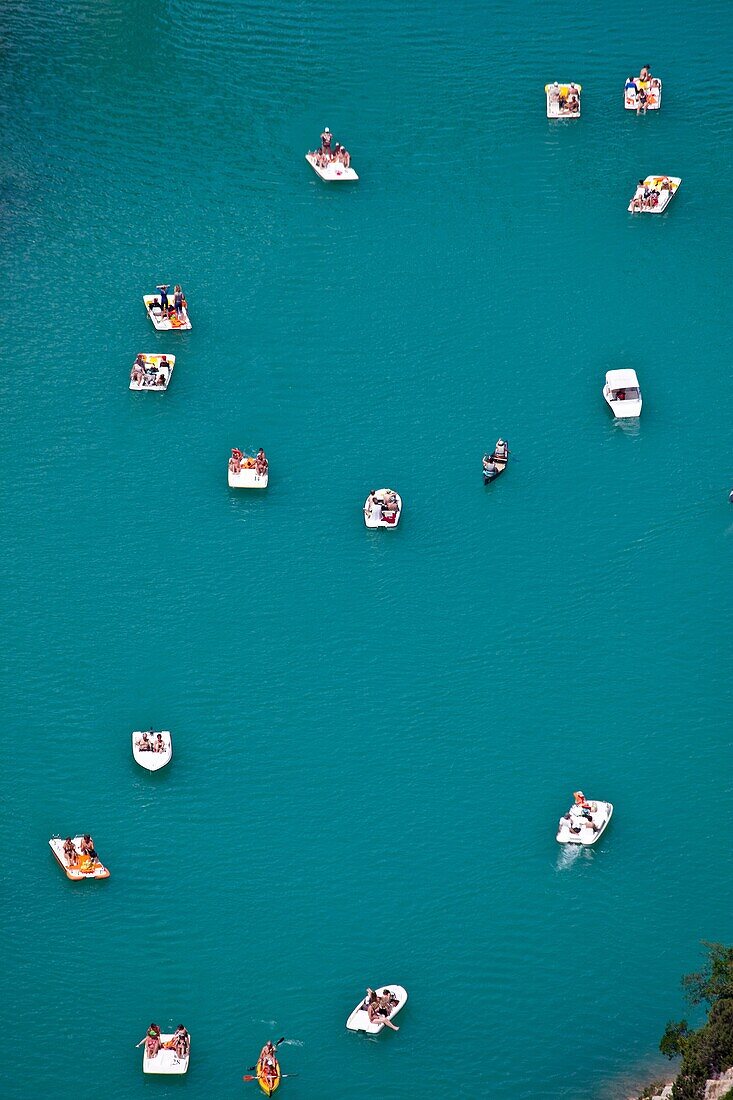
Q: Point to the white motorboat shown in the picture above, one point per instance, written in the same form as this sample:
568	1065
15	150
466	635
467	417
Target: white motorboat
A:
622	393
166	1060
166	319
652	89
151	749
359	1018
382	508
654	194
584	825
152	372
79	866
333	172
563	100
248	471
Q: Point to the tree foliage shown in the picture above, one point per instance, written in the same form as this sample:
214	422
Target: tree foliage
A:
709	1049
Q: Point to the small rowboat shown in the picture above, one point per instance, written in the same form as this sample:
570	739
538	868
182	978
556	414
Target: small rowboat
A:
495	464
268	1079
244	472
563	100
654	194
335	172
359	1018
149	759
164	322
83	866
579	830
652	90
166	1060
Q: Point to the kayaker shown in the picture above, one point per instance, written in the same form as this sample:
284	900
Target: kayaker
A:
268	1057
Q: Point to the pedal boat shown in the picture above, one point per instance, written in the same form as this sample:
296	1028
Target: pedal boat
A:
554	92
334	172
162	321
359	1018
379	516
268	1080
83	867
156	371
601	815
493	466
653	89
664	194
146	758
243	472
622	393
165	1061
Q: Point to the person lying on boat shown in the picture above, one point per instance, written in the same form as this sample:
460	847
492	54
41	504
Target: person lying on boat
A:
180	1042
152	1041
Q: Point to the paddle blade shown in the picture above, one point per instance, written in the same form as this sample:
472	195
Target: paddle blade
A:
277	1044
249	1077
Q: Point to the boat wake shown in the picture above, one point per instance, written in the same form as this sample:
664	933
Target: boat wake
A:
569	855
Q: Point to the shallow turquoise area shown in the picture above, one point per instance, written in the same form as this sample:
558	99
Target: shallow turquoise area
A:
374	732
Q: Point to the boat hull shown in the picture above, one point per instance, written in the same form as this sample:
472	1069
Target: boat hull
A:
267	1082
359	1018
152	761
166	1061
587	836
333	173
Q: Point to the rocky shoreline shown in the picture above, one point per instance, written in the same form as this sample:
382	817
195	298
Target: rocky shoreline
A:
717	1088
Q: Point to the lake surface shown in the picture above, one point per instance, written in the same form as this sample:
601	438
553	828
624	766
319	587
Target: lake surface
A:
374	732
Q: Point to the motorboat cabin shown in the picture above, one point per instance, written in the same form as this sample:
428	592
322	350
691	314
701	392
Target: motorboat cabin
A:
378	1005
152	750
563	100
167	311
77	857
654	194
496	462
585	821
152	372
622	393
248	471
643	93
172	1053
382	508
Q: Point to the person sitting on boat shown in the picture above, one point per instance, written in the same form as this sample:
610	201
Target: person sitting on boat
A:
326	138
70	851
489	467
180	1042
87	846
152	1041
261	462
630	85
641	101
268	1058
373	505
385	1003
501	451
159	743
573	103
645	73
345	157
143	744
554	93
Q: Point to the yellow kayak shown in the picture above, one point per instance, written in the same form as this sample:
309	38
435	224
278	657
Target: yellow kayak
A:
269	1079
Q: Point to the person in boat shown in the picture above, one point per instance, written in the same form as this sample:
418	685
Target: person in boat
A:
261	462
554	93
645	73
326	138
345	157
143	744
373	505
573	104
390	502
179	301
641	101
630	85
138	373
159	745
489	467
163	288
152	1041
268	1059
501	451
87	846
69	851
385	1003
180	1042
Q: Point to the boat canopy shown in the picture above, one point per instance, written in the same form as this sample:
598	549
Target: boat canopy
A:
622	379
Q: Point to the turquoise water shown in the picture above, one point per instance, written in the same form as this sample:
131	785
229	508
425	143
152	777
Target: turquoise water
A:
374	733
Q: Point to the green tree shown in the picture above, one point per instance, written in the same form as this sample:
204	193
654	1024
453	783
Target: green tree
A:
709	1049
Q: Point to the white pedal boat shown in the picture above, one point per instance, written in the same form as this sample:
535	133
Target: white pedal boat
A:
600	814
333	172
557	93
663	187
243	474
152	372
653	90
147	758
165	1061
83	867
622	393
377	514
162	321
359	1018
